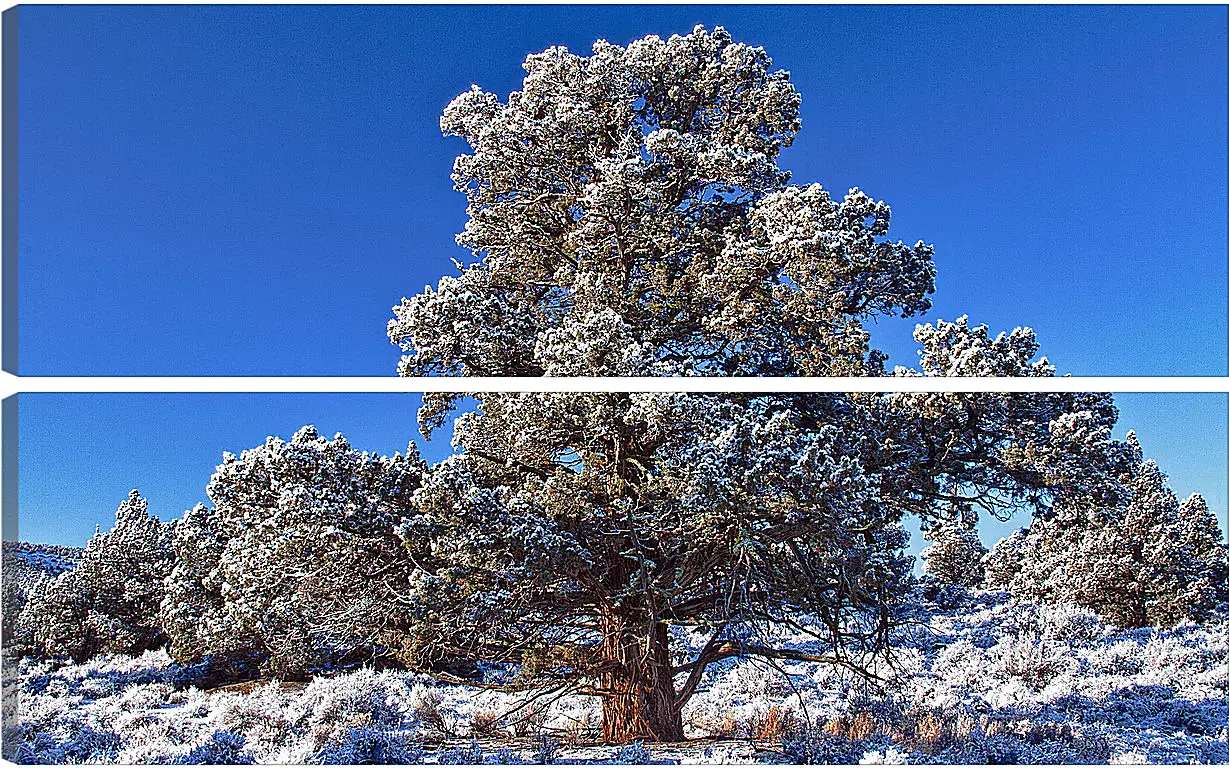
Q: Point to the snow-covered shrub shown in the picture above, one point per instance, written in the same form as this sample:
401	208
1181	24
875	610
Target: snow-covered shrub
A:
468	754
546	749
505	756
635	753
962	664
262	715
69	740
890	756
1133	757
327	707
1034	660
1119	694
222	748
1069	624
293	566
818	747
438	718
365	745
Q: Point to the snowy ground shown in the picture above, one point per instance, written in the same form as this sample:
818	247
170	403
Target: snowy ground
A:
991	682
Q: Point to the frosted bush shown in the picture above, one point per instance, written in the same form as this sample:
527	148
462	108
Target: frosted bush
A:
261	715
1032	659
1116	658
70	741
376	698
469	754
888	757
222	748
1070	624
546	749
1163	660
718	756
370	746
505	756
960	694
149	696
815	747
962	664
634	754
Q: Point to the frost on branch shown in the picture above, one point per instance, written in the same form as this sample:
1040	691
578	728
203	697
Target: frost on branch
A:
955	349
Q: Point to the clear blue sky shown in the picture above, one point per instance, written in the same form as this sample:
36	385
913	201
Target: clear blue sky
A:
248	190
80	454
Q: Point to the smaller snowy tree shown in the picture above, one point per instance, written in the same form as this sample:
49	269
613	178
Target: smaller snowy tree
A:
24	566
1200	534
1144	561
296	564
1002	563
955	553
109	602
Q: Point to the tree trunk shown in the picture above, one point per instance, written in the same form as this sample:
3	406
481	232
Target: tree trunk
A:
638	697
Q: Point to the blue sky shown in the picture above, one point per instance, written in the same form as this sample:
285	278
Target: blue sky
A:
80	454
248	190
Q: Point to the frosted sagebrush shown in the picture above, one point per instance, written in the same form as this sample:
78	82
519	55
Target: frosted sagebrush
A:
959	692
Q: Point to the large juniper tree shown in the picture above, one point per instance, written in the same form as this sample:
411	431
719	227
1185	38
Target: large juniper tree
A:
627	216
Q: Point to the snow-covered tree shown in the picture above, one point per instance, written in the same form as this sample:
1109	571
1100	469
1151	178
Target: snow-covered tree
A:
955	553
1002	563
1199	534
109	602
1144	561
25	565
627	216
573	531
296	563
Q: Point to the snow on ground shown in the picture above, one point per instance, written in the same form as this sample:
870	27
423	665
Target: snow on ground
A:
992	681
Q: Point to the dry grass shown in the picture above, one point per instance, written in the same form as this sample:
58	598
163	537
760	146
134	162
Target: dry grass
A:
586	729
531	723
854	726
932	732
486	724
427	710
774	725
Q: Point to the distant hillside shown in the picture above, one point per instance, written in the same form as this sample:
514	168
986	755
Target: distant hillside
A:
51	559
